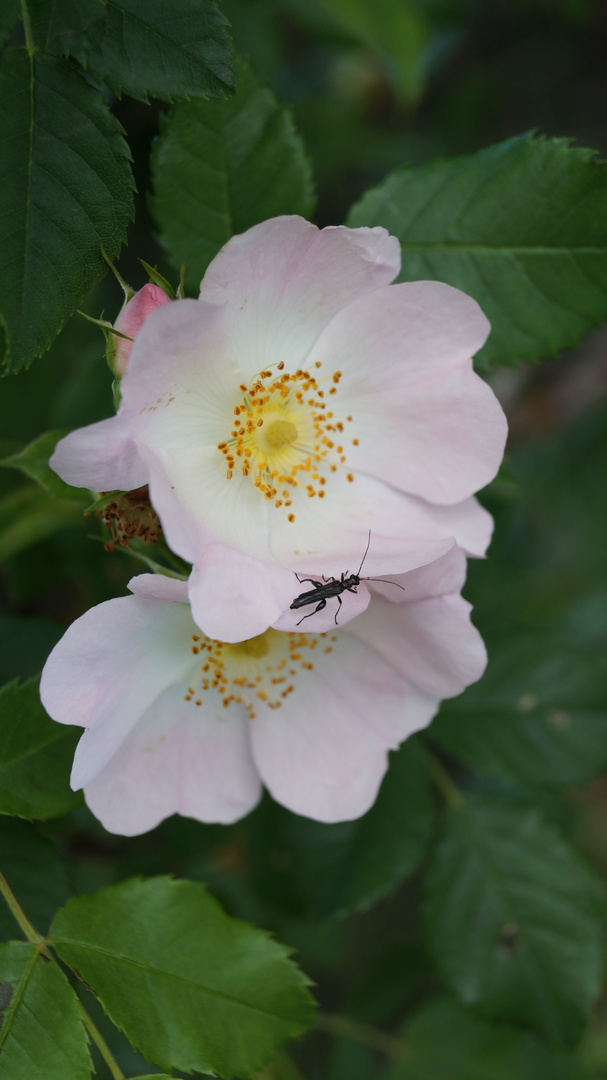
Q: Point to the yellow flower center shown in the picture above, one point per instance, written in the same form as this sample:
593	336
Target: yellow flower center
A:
259	672
284	436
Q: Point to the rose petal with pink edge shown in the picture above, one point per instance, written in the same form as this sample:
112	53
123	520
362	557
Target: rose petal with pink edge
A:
158	587
405	531
177	759
235	597
109	666
284	280
180	386
431	642
424	419
439	578
102	457
323	754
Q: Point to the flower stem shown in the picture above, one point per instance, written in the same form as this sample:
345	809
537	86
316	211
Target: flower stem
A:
448	789
361	1033
29	931
100	1043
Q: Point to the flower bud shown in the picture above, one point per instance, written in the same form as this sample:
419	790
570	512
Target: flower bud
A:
129	323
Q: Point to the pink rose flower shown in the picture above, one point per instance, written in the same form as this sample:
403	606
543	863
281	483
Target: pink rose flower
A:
130	321
300	402
178	723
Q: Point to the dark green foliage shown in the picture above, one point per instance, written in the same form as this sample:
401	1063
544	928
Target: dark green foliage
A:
60	26
220	167
168	51
10	12
33	461
447	1042
539	714
521	227
36	873
515	919
66	189
35	756
350	865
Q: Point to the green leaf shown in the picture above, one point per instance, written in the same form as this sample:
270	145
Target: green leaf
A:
446	1042
33	461
36	756
167	51
61	26
521	227
353	864
191	988
28	515
42	1035
10	13
538	715
221	167
35	872
66	189
401	31
515	918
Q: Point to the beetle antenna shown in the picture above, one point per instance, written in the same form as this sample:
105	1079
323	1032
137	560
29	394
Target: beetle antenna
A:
386	582
365	555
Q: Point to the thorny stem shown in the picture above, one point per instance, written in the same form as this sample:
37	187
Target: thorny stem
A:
39	941
364	1034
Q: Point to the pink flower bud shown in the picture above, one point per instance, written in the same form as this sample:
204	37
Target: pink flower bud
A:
130	321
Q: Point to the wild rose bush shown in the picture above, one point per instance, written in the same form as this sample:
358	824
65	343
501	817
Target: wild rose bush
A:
290	708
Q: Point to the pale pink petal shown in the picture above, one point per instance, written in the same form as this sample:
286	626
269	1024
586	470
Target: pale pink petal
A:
132	318
424	419
284	280
182	381
177	759
406	532
324	753
158	587
439	578
468	522
431	642
101	457
235	597
198	505
109	666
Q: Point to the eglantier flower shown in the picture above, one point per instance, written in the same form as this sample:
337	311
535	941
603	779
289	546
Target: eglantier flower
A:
178	723
300	402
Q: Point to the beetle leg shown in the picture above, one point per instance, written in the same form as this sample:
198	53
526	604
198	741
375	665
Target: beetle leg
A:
321	604
338	607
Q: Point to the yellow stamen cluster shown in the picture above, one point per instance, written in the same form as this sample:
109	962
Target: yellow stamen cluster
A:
284	435
260	671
